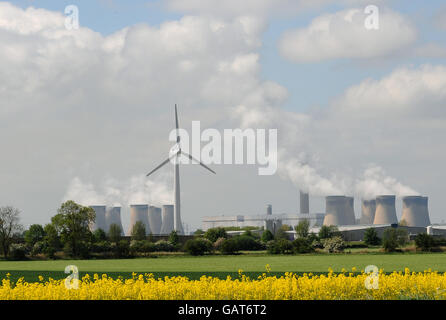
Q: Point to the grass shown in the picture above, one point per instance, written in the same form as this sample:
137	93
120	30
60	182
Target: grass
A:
221	266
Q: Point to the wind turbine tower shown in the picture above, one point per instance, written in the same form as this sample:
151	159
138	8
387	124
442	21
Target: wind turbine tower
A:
174	156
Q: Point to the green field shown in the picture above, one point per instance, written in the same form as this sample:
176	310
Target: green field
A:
221	266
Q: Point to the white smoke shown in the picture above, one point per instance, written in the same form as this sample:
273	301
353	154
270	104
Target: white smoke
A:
111	192
375	182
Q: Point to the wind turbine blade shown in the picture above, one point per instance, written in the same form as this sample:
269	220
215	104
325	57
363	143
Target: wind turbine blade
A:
162	164
199	162
176	123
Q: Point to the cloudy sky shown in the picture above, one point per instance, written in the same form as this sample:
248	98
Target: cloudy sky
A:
85	113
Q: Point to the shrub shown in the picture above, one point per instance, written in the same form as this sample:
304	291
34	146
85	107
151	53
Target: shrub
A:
281	234
17	251
174	239
38	248
229	246
99	235
163	245
302	245
198	246
121	249
218	244
214	233
247	243
280	246
334	244
424	242
267	236
371	237
101	247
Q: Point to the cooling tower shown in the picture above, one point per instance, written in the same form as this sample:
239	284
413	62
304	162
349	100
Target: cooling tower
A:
415	211
113	216
167	225
269	210
350	210
368	209
385	210
155	219
336	211
139	212
100	218
304	203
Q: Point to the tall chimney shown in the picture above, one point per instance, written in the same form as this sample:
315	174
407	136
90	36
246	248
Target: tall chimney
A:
368	209
155	220
385	210
167	225
139	212
99	222
415	211
269	210
335	211
304	203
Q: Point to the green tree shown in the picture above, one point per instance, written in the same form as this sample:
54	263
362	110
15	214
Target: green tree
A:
334	244
281	232
394	238
51	240
114	233
302	245
72	223
424	242
174	239
34	234
99	235
326	232
303	228
9	227
229	246
267	236
214	233
198	246
138	231
371	237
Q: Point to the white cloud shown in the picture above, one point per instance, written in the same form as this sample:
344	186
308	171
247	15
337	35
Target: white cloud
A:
343	35
419	91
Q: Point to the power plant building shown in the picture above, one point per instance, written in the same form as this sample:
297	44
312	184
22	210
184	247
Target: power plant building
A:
155	220
139	212
368	208
385	210
100	218
167	225
113	216
415	211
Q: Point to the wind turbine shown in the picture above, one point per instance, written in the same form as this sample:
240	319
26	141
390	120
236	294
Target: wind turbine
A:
174	154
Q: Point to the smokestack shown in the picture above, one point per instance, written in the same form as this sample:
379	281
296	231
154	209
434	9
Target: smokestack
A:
415	211
100	219
139	212
335	211
167	225
350	211
155	219
113	216
269	210
385	210
368	209
304	203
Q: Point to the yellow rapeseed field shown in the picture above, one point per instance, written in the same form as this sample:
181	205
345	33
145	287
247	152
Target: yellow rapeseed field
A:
398	285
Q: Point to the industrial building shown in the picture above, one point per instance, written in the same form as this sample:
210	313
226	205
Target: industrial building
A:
379	213
157	221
